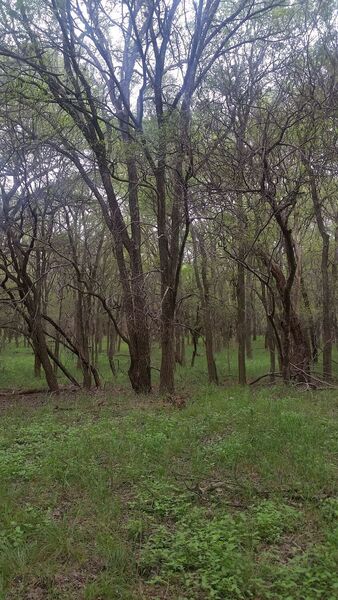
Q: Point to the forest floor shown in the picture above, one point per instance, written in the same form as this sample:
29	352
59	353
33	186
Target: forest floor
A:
106	496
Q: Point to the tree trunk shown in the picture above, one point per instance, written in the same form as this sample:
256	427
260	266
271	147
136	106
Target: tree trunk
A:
203	288
178	336
183	350
295	349
139	369
167	380
248	318
326	291
57	342
311	324
335	282
41	350
272	353
111	341
254	319
241	336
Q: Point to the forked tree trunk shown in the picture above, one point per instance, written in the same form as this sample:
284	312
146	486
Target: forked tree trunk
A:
41	350
295	352
295	349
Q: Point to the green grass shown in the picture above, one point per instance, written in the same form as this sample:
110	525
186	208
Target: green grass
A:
17	366
108	496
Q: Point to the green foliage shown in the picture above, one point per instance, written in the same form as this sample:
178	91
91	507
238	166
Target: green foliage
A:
231	497
17	366
212	552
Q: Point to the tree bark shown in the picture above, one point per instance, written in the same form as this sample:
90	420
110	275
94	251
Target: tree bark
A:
241	335
327	321
203	288
248	317
41	350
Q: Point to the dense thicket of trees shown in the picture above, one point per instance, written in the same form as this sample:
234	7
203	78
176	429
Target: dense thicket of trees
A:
168	172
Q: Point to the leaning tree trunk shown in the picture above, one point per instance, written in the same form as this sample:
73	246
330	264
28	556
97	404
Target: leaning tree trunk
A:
133	281
41	351
295	351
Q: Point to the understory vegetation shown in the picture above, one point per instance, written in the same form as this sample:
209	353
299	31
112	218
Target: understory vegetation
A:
17	366
233	496
168	300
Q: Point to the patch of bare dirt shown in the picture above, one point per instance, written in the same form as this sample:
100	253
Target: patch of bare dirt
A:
70	583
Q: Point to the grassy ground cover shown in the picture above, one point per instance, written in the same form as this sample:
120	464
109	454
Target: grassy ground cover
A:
108	496
17	366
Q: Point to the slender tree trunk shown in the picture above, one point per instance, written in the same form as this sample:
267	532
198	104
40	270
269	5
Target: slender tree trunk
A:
111	346
64	370
183	362
178	344
56	353
248	318
167	380
326	291
241	335
311	324
335	282
203	287
83	345
57	342
272	353
195	336
254	319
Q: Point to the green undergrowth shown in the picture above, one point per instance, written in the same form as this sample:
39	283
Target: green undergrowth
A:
17	366
233	497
